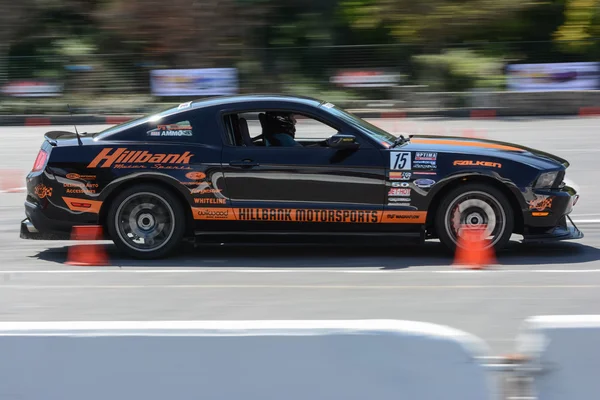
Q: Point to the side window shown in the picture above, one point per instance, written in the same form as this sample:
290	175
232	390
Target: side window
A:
309	128
259	129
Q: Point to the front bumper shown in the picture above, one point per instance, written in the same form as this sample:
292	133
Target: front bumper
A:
563	231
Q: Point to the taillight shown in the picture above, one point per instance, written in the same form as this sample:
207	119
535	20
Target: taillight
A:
40	161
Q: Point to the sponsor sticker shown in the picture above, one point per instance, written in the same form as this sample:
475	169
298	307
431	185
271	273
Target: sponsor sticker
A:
471	163
122	157
423	156
184	105
171	130
399	204
75	176
213	213
400	184
399	192
425	166
328	105
307	215
205	191
398	199
424	183
43	191
425	173
400	176
540	203
400	160
413	216
210	201
80	188
195	176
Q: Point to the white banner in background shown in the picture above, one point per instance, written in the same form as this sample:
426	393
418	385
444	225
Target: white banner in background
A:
32	88
366	78
555	76
194	82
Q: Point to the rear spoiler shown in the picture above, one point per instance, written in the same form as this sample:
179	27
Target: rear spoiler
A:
54	136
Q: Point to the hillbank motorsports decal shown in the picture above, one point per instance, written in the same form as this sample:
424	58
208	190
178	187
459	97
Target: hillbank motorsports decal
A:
308	215
556	76
194	82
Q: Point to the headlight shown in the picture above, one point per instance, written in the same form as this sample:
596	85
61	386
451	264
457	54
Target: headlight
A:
546	180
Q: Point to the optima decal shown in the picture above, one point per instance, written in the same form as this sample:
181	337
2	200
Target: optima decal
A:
127	157
471	163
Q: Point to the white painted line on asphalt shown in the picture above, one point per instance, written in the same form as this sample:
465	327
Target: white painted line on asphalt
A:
297	270
586	221
274	286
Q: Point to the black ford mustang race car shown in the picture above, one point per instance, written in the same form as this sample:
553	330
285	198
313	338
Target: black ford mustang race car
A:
212	167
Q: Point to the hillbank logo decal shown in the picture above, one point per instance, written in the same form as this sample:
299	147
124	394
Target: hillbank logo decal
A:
124	156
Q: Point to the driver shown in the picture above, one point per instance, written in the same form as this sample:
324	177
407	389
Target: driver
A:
281	129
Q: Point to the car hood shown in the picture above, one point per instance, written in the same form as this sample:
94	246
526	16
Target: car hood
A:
486	147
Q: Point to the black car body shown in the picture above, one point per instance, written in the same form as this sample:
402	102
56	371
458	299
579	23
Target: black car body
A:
197	169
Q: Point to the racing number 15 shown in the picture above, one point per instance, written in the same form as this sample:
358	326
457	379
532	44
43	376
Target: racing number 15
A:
400	160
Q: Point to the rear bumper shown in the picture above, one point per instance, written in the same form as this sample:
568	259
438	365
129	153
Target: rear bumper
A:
29	231
563	231
39	227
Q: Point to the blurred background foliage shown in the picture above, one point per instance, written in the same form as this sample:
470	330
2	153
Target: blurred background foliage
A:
108	47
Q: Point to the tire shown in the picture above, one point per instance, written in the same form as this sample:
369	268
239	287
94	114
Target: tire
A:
145	212
479	203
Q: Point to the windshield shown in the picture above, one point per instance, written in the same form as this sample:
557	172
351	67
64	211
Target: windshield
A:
142	120
371	130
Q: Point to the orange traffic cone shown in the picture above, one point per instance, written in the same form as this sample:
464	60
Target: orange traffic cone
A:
89	254
471	251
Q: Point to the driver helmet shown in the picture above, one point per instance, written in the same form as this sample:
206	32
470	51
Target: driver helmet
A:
281	123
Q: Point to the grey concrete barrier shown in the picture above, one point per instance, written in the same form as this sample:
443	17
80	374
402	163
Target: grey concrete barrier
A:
249	360
564	356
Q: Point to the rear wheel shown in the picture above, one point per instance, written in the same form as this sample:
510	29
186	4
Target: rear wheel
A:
146	221
475	205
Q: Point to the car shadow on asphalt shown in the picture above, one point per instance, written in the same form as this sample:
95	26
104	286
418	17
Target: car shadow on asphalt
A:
383	256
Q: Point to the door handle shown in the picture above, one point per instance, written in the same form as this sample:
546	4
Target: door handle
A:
243	163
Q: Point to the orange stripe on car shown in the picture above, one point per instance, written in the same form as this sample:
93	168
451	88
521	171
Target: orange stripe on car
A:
309	215
466	143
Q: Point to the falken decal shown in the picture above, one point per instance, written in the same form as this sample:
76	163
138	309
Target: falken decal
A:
471	163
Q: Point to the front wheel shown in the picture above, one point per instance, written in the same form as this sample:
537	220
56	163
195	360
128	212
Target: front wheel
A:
146	221
475	205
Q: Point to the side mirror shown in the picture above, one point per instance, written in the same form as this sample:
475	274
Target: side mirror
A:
342	141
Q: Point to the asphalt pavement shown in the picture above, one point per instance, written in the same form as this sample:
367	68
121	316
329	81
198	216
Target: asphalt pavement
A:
320	281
